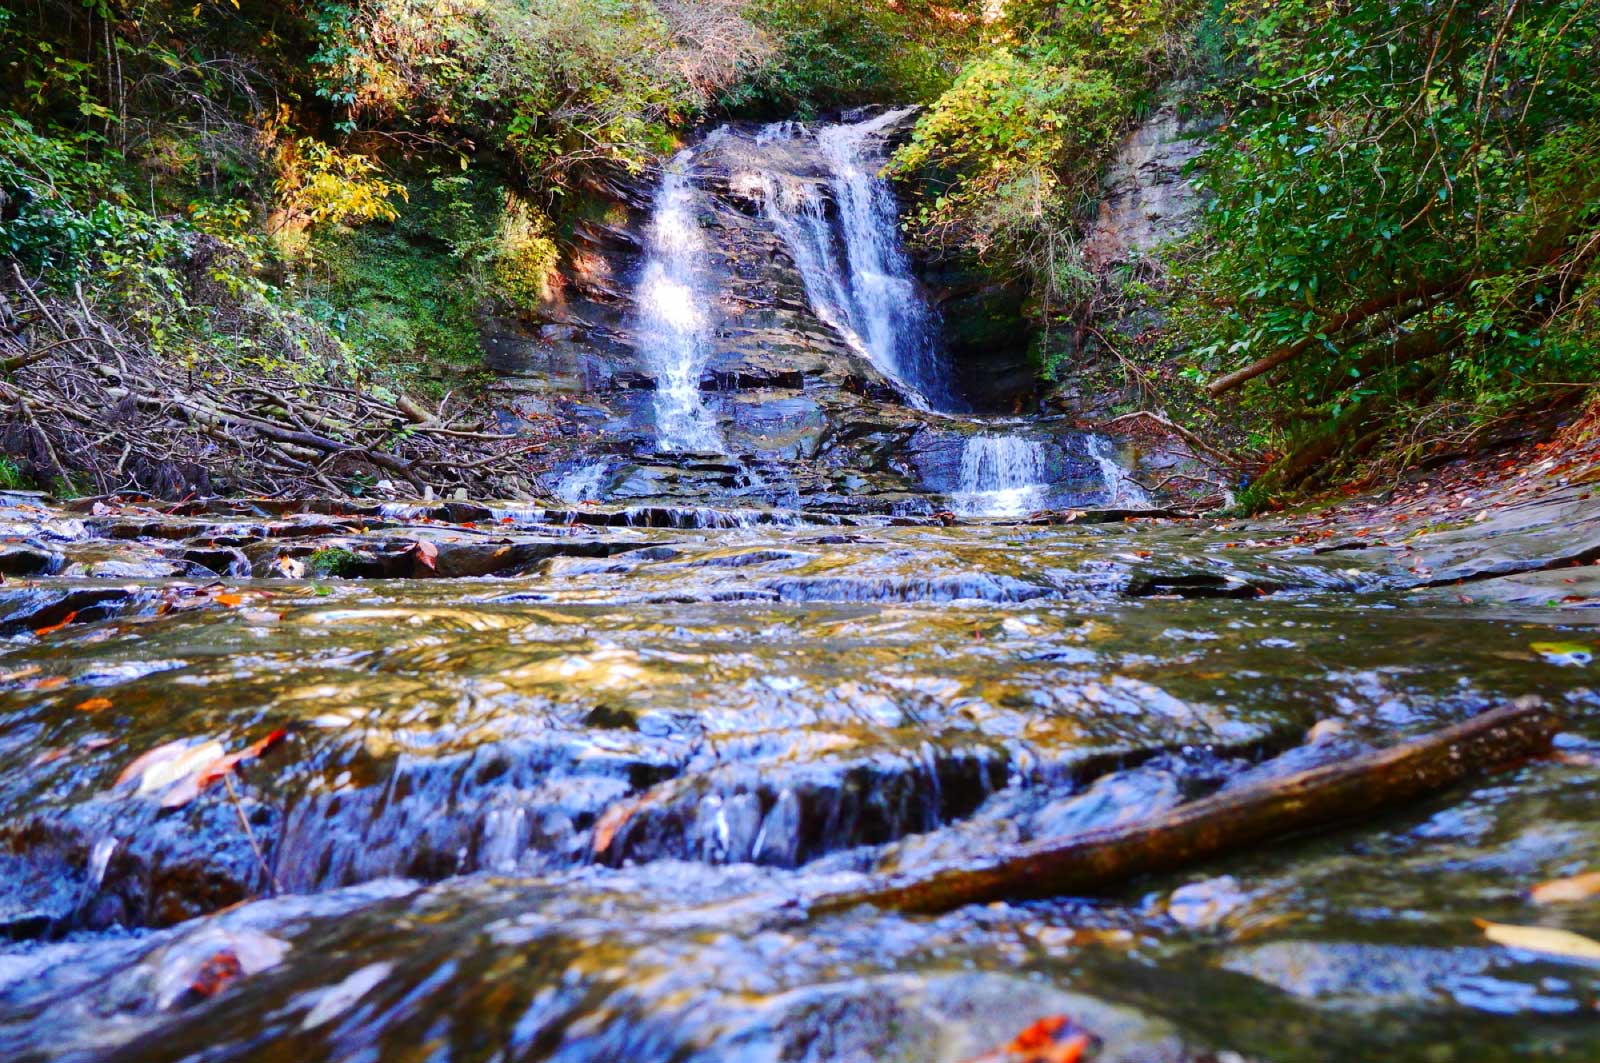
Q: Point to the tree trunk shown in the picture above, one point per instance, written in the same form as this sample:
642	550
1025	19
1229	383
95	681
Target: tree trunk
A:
1361	786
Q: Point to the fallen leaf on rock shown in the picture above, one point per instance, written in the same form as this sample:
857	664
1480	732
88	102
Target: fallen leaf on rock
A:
290	567
1542	939
612	820
229	599
224	764
52	628
215	973
1053	1039
1561	890
200	965
1564	653
426	552
137	766
183	763
94	705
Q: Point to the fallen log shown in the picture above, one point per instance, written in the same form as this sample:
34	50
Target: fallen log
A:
1319	797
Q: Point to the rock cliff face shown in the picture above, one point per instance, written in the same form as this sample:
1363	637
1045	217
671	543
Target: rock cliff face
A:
1148	201
805	417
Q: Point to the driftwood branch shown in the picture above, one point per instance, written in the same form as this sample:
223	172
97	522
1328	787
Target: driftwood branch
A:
84	395
1229	821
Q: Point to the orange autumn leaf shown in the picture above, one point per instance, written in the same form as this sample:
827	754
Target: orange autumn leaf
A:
1040	1035
1561	890
94	705
229	599
1053	1039
52	628
612	820
426	552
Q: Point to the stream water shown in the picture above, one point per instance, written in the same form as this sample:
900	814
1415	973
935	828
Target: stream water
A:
482	783
673	296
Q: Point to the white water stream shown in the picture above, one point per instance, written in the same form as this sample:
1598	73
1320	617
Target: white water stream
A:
843	232
673	297
1001	476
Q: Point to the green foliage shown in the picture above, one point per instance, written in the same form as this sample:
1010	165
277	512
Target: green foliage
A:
556	84
1405	197
1008	158
333	561
11	477
832	54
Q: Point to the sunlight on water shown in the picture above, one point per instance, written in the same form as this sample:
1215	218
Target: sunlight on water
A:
673	327
856	273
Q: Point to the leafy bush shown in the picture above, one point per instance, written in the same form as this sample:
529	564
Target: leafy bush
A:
1403	205
1007	158
832	54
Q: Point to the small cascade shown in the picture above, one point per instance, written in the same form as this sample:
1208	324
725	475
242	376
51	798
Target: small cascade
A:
1001	476
1120	487
583	484
673	296
856	273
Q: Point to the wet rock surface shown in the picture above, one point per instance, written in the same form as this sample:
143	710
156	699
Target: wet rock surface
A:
499	781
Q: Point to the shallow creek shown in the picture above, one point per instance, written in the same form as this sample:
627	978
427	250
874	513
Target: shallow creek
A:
569	804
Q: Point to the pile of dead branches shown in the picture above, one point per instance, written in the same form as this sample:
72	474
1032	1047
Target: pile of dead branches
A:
85	401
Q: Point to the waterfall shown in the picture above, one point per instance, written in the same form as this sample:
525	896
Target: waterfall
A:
674	329
856	273
1120	488
1001	476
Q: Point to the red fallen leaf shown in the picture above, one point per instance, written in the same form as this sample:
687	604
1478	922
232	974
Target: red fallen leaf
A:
224	764
43	631
94	705
468	524
1053	1039
1040	1035
426	552
215	974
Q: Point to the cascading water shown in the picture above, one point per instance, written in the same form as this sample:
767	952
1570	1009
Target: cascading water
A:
1001	476
672	300
856	273
1120	488
822	194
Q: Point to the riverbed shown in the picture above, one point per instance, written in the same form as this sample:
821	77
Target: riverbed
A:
529	783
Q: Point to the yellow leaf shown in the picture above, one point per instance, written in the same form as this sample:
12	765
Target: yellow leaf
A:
1564	653
1558	890
1543	939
